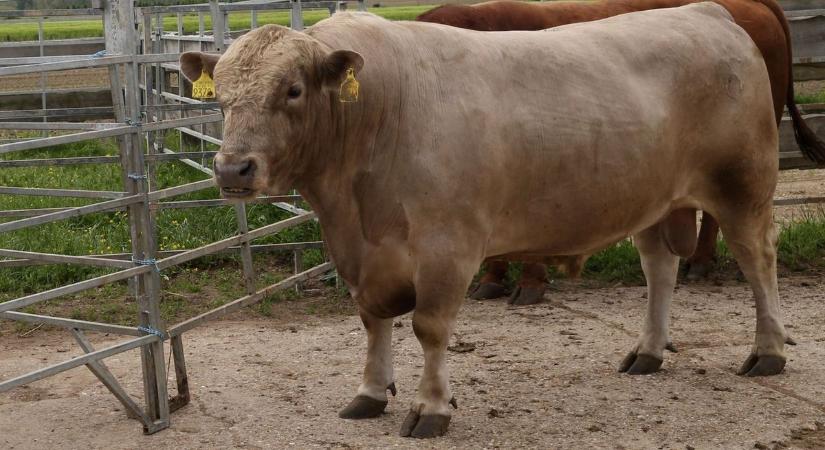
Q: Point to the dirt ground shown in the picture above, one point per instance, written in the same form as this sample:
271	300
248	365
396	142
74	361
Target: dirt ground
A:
541	376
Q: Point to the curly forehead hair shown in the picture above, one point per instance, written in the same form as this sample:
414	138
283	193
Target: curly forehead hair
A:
266	42
254	62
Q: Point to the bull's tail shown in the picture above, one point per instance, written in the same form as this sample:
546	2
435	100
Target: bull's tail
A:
812	147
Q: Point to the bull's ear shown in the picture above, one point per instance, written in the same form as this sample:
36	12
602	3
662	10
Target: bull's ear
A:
335	65
193	63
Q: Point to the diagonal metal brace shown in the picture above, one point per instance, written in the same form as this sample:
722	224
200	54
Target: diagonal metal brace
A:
108	379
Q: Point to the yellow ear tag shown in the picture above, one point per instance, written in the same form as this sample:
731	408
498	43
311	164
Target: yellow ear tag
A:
349	88
204	86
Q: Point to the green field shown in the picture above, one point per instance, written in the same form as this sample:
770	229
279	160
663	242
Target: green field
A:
27	30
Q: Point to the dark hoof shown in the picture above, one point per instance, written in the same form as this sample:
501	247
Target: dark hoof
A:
697	271
487	291
363	407
762	366
526	295
639	364
424	427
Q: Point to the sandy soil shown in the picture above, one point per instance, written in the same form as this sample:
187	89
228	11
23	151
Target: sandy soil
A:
538	377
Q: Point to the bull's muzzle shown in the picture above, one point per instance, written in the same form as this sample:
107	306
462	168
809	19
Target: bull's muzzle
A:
235	174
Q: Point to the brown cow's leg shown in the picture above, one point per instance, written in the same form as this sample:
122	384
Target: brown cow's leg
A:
751	236
699	265
491	284
660	267
378	374
531	286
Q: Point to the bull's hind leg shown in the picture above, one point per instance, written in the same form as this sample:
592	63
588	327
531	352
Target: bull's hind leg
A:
660	265
751	237
440	290
378	374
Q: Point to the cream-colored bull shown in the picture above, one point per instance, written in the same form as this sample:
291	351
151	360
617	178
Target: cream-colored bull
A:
619	127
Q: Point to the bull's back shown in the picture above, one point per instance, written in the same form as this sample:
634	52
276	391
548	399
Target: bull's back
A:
763	20
626	110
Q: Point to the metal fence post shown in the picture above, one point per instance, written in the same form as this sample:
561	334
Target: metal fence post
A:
218	27
121	39
296	16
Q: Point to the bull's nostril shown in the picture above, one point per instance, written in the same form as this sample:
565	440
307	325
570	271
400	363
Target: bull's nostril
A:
248	168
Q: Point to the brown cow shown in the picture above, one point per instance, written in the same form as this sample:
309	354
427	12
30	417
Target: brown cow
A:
762	19
410	181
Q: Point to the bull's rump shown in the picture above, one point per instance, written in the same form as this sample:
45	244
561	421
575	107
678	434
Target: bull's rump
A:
593	129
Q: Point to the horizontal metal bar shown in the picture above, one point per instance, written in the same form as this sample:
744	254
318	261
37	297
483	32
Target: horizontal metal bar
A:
78	160
65	259
77	193
71	323
29	212
68	213
77	361
52	91
259	248
52	12
249	299
39	59
179	155
61	112
200	106
201	136
182	189
65	65
220	202
54	42
235	240
278	4
58	126
65	139
183	122
22	302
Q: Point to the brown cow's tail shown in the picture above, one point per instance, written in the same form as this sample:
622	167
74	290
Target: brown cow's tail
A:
812	147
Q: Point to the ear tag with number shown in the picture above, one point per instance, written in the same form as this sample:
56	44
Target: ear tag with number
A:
204	86
349	88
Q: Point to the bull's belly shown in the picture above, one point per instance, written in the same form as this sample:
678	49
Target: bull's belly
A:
528	234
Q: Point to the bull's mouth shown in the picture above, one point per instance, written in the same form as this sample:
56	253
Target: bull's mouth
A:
231	192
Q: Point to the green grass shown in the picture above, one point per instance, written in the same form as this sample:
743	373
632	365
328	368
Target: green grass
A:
109	232
802	99
27	31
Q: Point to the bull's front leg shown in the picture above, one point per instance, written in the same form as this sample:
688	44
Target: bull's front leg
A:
439	294
371	398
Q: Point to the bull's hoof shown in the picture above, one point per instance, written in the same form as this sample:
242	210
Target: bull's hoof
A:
697	271
424	427
640	364
486	291
762	366
526	295
363	407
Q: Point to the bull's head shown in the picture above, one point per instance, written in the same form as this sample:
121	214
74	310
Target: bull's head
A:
277	88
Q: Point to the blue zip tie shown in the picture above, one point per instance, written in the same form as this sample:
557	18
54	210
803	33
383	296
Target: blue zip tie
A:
146	262
152	331
134	176
99	54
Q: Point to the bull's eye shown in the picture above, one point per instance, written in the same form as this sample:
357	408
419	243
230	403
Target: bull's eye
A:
294	92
